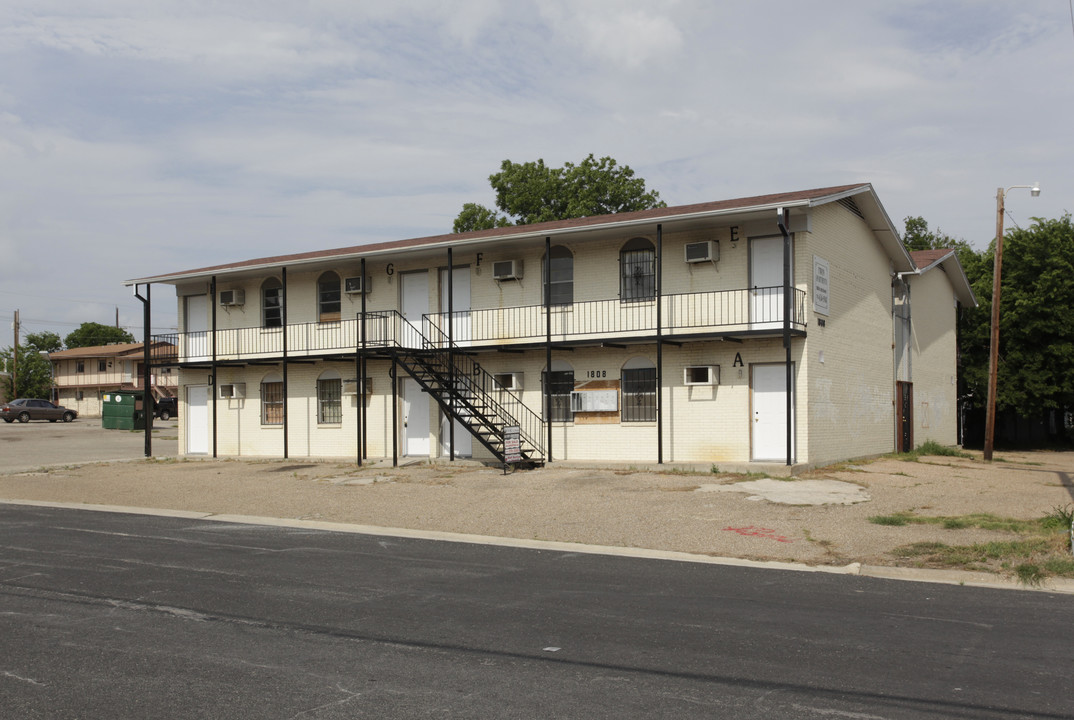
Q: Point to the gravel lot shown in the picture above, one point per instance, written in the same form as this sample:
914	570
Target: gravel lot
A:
799	520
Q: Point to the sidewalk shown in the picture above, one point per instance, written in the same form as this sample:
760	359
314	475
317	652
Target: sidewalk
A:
818	520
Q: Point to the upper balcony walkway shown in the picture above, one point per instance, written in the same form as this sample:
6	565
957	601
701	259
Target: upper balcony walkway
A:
683	317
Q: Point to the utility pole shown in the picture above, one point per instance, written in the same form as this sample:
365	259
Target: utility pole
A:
15	359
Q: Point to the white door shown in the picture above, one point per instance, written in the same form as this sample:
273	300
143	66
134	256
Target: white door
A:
460	304
196	325
766	283
769	405
415	419
197	419
414	303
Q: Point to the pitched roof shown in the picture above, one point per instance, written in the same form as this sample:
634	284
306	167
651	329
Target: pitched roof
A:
874	214
95	351
113	350
947	260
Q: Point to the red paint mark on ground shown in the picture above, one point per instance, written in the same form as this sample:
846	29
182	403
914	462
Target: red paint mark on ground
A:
768	533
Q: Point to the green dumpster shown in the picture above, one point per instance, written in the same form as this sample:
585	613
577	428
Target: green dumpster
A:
120	411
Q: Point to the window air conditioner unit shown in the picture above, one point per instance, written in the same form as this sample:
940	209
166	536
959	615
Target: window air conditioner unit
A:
355	285
232	297
232	391
701	375
508	381
350	387
704	251
507	270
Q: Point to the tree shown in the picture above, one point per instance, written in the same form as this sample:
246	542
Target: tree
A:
45	341
35	373
89	334
1036	353
532	192
918	237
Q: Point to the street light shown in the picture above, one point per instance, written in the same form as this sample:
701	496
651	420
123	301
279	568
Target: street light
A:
993	349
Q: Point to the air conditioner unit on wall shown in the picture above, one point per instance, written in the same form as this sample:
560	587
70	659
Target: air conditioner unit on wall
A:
704	251
508	381
232	297
507	270
232	391
701	375
355	285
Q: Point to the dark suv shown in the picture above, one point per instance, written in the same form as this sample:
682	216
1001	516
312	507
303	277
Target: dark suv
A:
166	408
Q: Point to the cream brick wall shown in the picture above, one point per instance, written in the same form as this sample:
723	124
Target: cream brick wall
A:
850	395
934	351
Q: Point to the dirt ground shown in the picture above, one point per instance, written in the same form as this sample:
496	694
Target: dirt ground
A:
695	512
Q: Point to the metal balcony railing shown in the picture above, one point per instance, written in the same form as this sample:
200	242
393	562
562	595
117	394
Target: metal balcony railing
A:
742	310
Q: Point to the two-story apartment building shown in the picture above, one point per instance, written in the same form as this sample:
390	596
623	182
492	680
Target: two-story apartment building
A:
764	329
82	376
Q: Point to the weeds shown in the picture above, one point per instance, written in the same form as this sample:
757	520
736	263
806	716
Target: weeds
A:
930	447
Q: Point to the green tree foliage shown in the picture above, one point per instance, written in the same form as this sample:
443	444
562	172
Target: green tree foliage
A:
45	341
533	192
1036	353
34	373
90	334
1036	357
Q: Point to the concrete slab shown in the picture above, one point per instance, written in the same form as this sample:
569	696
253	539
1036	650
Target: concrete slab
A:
795	492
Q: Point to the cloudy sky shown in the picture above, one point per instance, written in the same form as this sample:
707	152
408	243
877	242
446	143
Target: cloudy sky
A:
147	137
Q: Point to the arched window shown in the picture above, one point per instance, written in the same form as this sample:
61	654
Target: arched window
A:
561	282
272	399
329	398
637	270
560	382
638	388
328	297
272	303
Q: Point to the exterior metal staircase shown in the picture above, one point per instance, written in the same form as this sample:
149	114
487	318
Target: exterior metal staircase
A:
463	389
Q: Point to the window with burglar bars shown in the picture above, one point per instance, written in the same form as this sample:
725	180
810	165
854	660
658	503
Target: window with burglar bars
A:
637	270
639	395
272	403
561	385
329	405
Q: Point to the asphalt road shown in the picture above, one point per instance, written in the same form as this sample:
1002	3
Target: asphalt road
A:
122	616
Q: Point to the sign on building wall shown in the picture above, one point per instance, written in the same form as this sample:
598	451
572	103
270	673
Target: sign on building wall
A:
820	286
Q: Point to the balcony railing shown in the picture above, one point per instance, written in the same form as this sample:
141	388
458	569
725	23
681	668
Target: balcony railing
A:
722	311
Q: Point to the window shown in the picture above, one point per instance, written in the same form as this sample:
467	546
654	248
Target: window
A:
638	384
637	270
80	395
561	285
561	383
328	298
272	400
329	395
272	303
80	366
102	366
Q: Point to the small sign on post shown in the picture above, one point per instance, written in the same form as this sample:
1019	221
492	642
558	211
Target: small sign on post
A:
512	445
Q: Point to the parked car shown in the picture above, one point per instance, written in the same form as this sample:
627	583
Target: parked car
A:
166	408
27	409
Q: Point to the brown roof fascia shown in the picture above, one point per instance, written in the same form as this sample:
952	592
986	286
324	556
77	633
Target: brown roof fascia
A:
799	197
